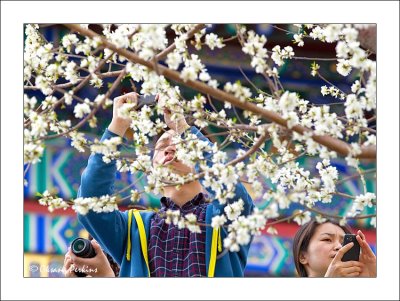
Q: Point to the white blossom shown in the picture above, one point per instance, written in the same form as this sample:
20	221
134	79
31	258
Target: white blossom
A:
212	41
302	218
104	203
298	38
279	55
71	73
78	140
218	221
69	40
81	109
360	202
238	90
234	209
343	67
174	59
52	202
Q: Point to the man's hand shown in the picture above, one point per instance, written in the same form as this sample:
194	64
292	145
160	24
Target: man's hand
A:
339	268
118	124
98	266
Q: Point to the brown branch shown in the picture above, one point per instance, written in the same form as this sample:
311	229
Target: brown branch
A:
252	150
338	216
283	219
331	143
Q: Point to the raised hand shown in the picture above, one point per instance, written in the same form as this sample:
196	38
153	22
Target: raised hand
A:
119	124
367	256
339	268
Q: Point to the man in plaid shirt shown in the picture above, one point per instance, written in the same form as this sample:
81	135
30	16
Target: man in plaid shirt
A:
142	243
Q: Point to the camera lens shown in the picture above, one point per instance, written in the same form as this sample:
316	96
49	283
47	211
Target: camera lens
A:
83	248
79	246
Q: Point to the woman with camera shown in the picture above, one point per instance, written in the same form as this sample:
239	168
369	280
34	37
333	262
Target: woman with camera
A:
318	252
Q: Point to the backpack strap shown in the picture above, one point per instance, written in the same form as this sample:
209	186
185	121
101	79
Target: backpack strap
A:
216	242
142	236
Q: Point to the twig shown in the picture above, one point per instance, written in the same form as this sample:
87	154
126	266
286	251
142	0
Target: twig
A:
26	169
162	55
324	79
254	148
130	185
345	195
93	112
211	103
355	176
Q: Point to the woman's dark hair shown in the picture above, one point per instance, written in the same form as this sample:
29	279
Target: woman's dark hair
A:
302	240
114	266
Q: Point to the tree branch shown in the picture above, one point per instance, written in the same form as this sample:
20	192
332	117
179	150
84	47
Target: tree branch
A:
331	143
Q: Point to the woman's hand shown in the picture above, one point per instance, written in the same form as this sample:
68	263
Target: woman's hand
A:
339	268
98	266
119	124
367	257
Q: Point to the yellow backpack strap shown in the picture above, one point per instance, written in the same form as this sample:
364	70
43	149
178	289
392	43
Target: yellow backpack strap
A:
213	257
143	239
128	249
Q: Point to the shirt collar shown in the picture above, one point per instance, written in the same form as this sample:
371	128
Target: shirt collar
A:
167	203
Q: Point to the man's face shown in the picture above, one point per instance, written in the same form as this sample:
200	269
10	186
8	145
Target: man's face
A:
165	154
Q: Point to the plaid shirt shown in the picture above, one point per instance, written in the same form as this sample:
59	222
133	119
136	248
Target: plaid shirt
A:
175	252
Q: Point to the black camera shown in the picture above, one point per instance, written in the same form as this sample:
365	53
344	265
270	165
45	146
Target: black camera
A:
149	100
354	253
82	247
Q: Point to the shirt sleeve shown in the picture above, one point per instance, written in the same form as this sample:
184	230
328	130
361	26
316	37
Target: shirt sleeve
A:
109	229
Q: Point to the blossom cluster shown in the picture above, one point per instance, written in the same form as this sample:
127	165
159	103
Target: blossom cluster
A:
279	55
52	202
104	203
360	202
107	147
80	205
254	46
